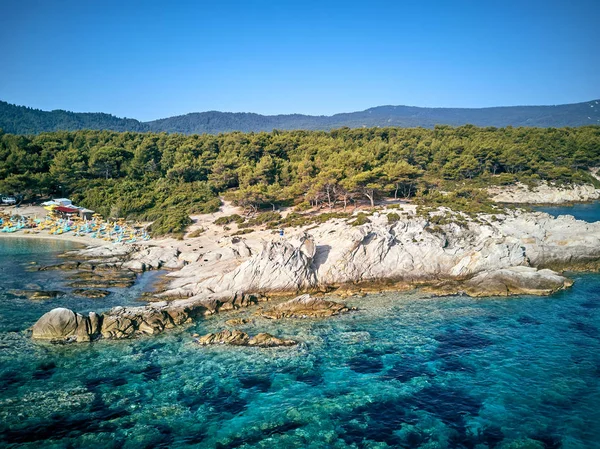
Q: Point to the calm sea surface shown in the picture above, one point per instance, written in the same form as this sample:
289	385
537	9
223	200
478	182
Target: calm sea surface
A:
405	371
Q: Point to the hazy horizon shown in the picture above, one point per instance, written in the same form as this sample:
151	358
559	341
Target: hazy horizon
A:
299	113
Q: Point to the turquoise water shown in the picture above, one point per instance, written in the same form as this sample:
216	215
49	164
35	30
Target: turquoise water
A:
406	370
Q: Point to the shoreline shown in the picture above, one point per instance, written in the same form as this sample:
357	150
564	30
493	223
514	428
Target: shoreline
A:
84	241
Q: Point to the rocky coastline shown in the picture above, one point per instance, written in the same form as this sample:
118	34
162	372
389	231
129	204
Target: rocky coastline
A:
545	193
507	254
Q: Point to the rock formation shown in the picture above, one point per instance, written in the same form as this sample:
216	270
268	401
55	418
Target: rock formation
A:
136	258
505	282
407	251
62	325
305	306
239	338
507	254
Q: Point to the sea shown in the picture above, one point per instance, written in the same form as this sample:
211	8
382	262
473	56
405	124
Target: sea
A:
406	370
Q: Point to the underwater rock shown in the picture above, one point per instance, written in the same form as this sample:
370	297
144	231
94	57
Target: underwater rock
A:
90	275
305	306
91	293
239	338
65	266
37	294
238	321
62	324
525	443
103	279
102	283
265	340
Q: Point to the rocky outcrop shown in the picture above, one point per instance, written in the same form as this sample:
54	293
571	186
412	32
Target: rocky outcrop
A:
63	325
282	265
127	322
410	251
543	193
305	306
506	254
136	258
239	338
506	282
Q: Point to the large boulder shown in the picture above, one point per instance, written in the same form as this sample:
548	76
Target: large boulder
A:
516	281
65	325
305	306
510	281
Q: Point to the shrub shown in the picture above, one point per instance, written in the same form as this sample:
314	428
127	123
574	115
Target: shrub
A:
172	223
243	231
196	233
235	218
393	217
360	219
303	206
262	218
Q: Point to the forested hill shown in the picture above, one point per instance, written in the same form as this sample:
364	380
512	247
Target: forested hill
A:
23	120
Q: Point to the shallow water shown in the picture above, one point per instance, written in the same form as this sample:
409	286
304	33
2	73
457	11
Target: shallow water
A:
406	370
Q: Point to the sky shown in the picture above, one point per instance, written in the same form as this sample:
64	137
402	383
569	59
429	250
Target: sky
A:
152	59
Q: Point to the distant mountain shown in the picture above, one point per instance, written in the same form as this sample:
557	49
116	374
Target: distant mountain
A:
24	120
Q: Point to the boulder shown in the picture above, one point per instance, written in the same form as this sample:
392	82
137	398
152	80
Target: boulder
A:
65	325
516	281
305	306
510	281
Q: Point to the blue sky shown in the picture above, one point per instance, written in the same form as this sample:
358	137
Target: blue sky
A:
152	59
